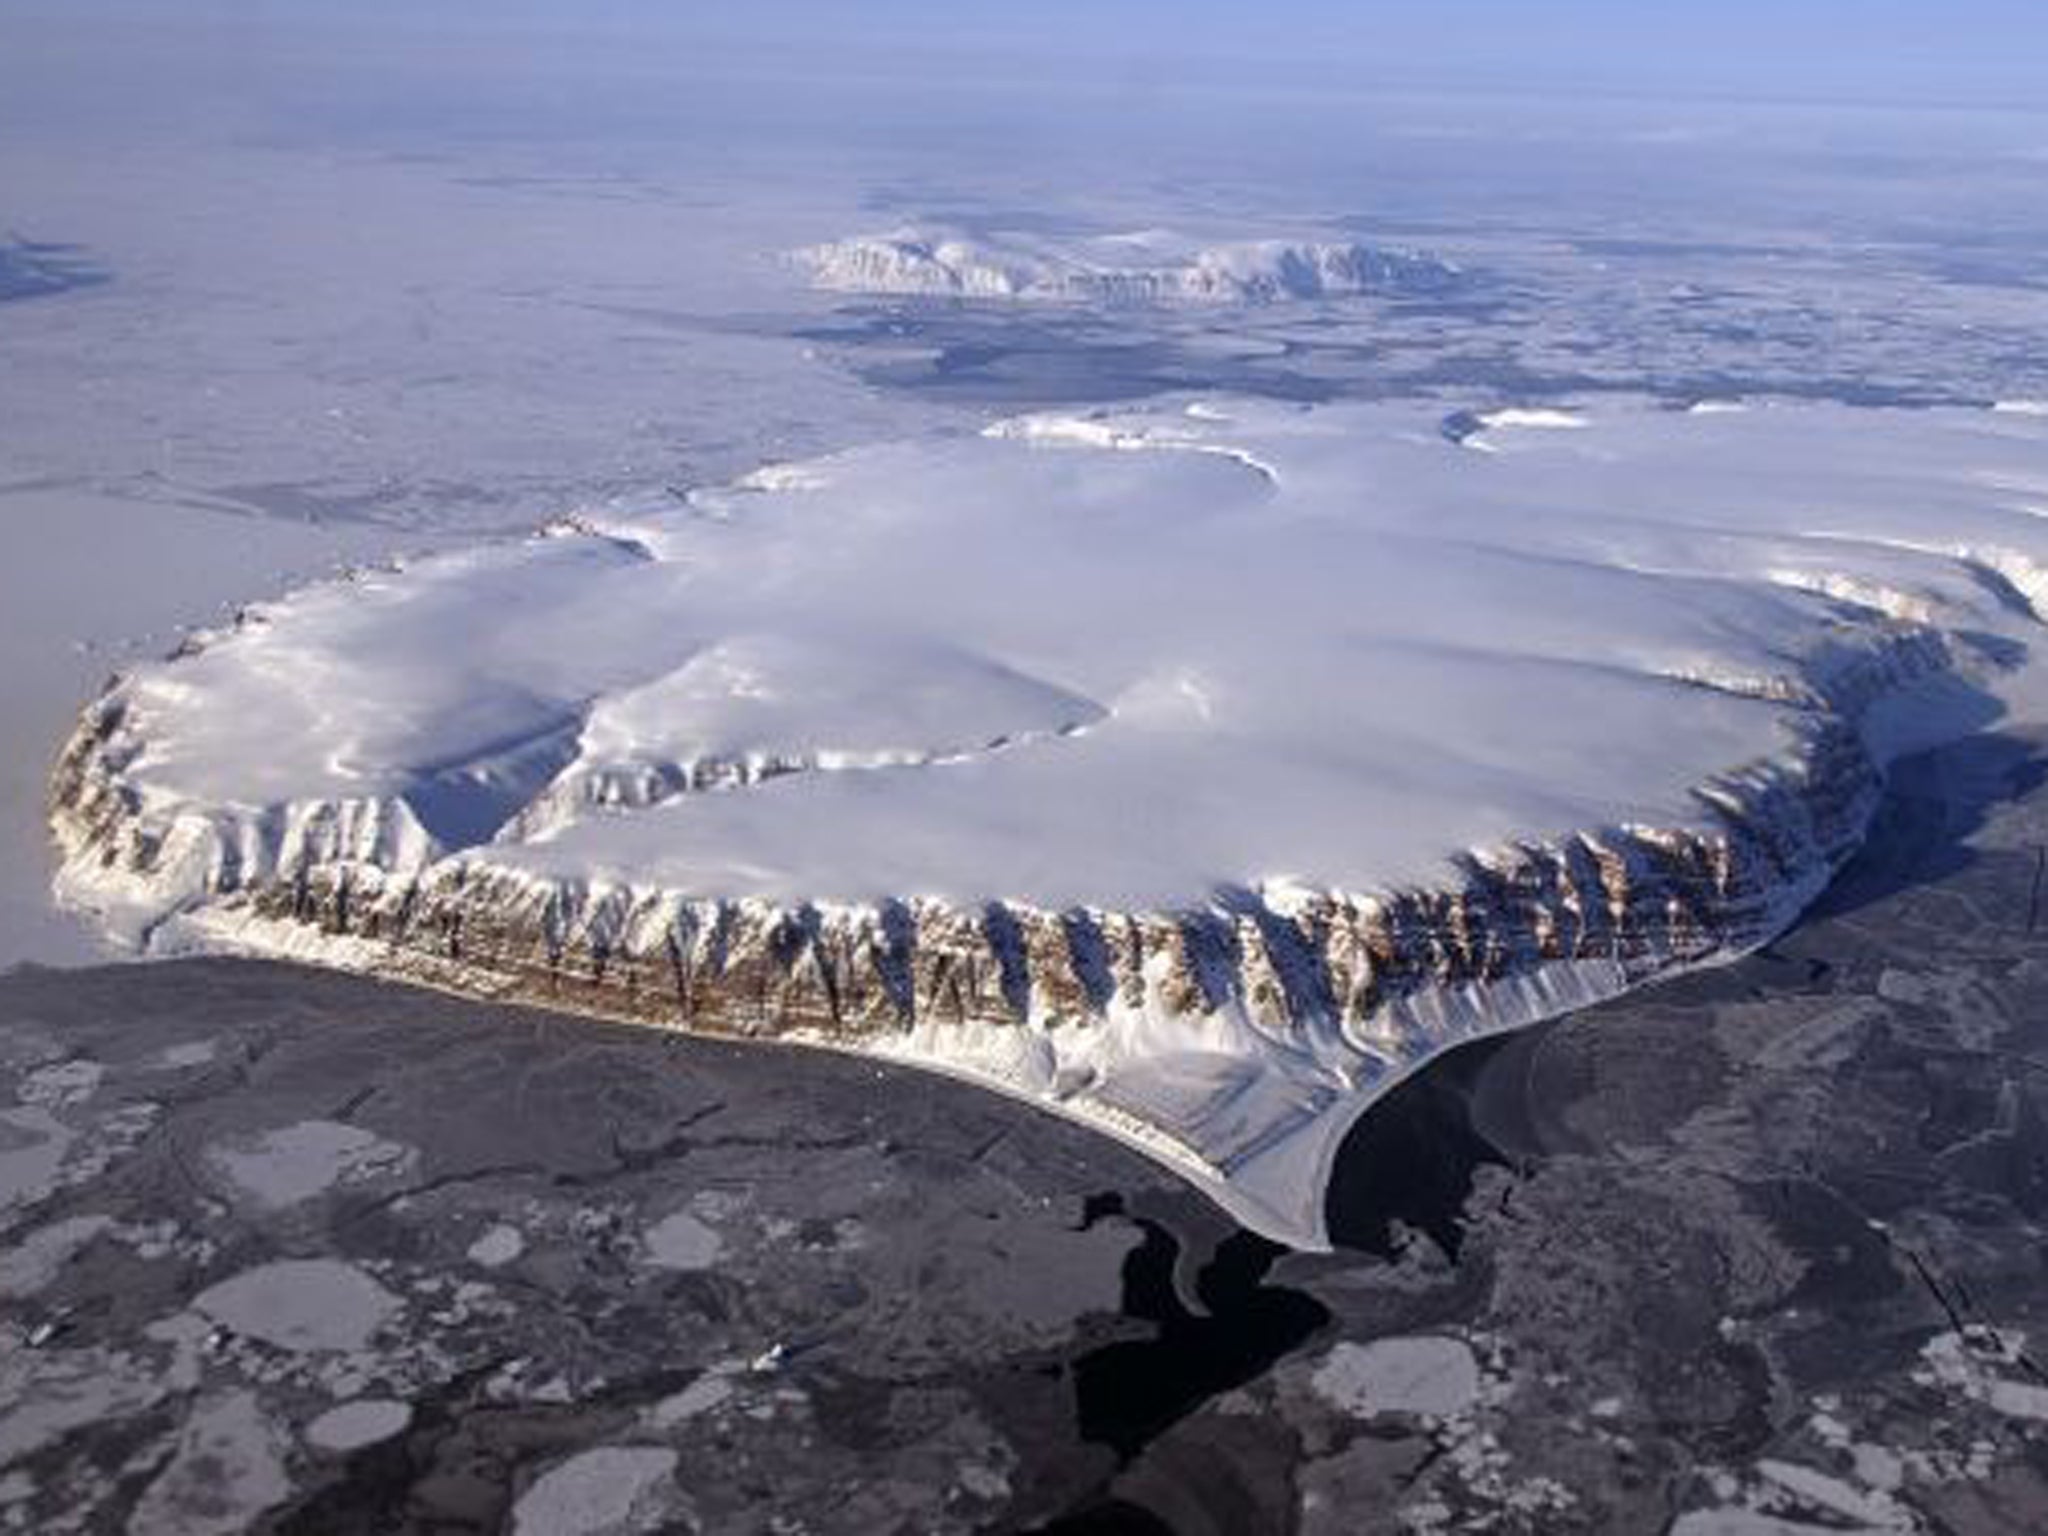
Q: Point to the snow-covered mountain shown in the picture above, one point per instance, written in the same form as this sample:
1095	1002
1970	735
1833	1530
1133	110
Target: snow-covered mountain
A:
1146	268
1194	774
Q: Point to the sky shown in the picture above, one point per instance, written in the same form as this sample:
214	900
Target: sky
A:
1869	49
1958	52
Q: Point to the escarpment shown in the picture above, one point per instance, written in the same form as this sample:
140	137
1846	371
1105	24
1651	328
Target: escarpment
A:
1638	899
1335	993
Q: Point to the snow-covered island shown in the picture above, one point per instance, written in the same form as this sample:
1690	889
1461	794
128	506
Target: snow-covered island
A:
1194	772
1147	267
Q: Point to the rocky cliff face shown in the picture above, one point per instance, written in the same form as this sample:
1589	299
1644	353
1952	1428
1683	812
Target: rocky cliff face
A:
1374	966
1333	993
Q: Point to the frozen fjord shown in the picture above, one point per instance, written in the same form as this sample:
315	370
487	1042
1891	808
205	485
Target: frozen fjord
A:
1197	773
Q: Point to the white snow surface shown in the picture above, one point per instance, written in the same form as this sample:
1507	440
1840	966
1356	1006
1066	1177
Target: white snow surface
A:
1144	267
1039	666
1133	661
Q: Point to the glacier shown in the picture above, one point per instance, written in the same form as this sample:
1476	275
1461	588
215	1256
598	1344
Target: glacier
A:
1196	771
1146	267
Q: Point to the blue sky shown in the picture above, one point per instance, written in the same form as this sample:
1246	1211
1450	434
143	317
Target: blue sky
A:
1175	86
1869	49
1961	51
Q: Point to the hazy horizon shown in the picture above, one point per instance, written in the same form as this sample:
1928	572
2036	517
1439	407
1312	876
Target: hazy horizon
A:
1975	54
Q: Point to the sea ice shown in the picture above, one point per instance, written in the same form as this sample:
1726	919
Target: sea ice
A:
1434	1377
301	1304
609	1491
681	1241
294	1163
353	1425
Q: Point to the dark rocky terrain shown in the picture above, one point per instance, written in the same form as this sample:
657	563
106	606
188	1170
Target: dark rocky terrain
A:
1755	1252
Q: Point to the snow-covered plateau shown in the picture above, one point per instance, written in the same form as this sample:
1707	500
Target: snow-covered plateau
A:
1194	772
1149	267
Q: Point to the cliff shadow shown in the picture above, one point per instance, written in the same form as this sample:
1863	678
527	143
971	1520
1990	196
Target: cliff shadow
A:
1410	1160
1934	803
